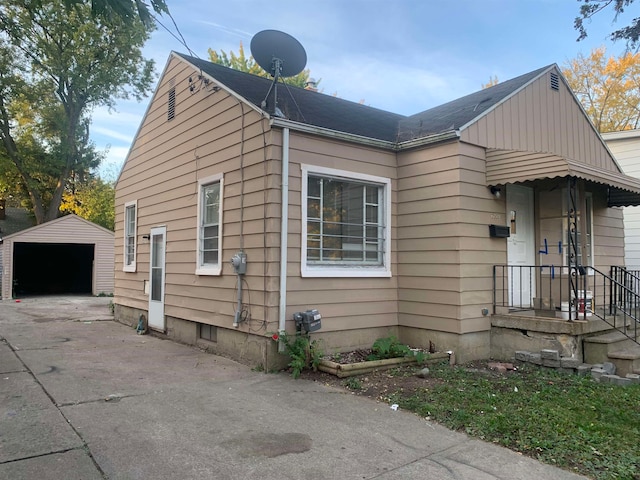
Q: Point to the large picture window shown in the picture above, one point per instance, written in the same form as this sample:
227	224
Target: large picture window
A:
346	223
130	211
209	226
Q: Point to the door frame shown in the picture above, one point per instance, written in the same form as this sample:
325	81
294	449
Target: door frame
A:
529	243
156	320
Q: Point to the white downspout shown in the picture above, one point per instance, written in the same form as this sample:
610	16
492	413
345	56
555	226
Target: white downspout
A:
284	233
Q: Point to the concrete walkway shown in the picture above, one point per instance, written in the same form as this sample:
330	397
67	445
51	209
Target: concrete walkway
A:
83	397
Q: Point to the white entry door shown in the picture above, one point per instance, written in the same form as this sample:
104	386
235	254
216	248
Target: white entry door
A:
521	248
156	278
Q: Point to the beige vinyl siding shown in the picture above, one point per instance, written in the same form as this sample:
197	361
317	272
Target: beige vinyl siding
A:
68	230
539	119
5	275
626	150
162	173
445	255
608	232
345	303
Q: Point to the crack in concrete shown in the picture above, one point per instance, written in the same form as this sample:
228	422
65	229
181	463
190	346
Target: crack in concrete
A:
30	457
114	398
85	446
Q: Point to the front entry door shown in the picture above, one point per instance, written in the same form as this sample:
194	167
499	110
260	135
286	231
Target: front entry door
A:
156	278
521	248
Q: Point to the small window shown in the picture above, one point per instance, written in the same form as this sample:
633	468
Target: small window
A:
130	237
209	226
171	108
346	224
208	332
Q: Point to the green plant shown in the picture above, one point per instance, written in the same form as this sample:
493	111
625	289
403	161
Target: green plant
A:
112	307
388	347
302	351
353	383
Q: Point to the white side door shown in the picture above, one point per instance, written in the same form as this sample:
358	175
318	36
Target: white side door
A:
156	278
521	247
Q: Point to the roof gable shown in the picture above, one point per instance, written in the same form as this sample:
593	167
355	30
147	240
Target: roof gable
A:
69	221
459	113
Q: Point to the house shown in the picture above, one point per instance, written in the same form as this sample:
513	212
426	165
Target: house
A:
432	227
625	146
68	255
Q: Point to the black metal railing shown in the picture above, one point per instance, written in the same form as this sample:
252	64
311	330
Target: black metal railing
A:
577	293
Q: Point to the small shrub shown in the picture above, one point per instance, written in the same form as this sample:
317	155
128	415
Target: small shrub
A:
302	351
388	347
353	383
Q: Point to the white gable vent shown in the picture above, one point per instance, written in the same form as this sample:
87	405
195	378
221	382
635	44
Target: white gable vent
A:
171	106
554	81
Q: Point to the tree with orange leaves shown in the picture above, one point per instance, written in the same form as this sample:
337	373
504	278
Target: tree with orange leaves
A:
607	87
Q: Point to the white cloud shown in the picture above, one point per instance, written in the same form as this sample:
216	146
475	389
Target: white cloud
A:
111	133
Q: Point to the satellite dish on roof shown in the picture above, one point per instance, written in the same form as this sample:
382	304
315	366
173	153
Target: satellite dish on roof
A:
278	53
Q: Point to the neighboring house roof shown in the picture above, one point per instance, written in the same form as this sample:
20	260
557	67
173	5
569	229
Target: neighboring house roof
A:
16	220
621	135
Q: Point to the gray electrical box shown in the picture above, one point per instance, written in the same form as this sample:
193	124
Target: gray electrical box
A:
239	262
308	321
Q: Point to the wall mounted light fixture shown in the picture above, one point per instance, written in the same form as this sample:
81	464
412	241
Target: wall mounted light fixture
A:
146	237
496	191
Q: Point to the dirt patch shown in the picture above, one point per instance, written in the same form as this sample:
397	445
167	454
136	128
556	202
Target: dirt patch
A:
380	384
377	385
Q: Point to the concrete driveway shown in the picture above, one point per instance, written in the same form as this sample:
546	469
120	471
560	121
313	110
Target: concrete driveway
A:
83	397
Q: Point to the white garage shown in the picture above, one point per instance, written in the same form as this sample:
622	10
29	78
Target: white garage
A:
66	256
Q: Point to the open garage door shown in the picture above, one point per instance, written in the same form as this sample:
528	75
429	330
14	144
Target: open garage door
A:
52	268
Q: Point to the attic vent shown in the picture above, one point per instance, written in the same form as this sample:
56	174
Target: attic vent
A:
171	107
554	81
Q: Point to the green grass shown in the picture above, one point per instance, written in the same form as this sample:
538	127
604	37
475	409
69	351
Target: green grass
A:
572	422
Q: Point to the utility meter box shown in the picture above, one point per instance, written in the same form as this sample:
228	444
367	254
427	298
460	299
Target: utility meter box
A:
308	321
239	262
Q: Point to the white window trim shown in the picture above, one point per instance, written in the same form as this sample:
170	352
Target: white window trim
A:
131	267
215	269
345	271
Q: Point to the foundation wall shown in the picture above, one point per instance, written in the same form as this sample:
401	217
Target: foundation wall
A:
246	348
512	333
466	347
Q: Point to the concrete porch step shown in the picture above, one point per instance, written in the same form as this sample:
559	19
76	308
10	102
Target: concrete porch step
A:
598	347
626	360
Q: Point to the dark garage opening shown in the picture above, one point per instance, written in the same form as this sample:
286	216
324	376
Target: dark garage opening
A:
52	269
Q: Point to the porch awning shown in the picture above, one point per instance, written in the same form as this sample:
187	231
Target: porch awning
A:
510	166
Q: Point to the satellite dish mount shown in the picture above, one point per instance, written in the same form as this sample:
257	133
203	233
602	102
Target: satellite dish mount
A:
281	56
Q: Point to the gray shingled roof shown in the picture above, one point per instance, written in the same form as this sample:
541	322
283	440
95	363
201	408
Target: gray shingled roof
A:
457	113
16	220
317	109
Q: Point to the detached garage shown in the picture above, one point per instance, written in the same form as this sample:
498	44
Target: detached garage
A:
68	255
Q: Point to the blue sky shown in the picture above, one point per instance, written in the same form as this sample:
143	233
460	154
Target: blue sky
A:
404	56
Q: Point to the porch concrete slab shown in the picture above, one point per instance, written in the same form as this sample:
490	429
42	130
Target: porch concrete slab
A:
30	424
144	407
69	465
